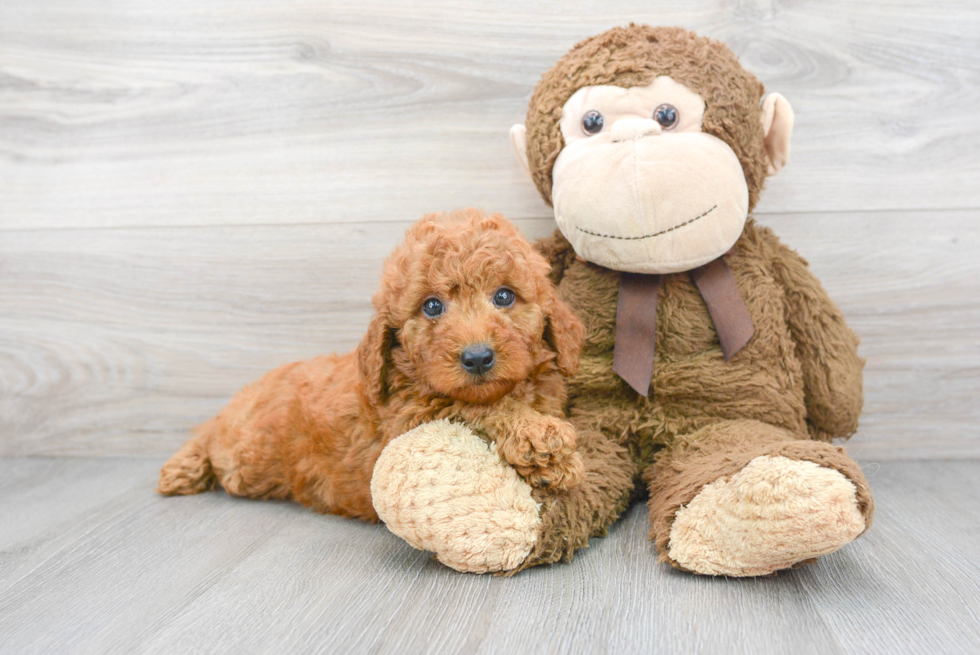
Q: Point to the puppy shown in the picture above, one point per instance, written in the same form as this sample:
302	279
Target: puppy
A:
467	327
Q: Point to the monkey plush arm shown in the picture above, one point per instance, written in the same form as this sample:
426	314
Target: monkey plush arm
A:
825	345
559	253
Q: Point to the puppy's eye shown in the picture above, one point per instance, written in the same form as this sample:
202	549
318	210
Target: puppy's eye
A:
504	297
592	122
666	115
432	307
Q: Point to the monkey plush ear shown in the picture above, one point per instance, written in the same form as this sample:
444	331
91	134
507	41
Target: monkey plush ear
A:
518	139
777	125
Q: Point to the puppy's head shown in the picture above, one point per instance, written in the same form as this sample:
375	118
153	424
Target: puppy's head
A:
466	310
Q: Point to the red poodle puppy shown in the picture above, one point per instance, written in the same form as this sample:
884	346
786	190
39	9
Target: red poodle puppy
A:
467	327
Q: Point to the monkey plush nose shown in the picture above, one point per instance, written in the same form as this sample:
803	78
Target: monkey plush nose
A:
477	359
626	129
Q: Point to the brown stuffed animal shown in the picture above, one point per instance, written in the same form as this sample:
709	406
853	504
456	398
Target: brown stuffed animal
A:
712	353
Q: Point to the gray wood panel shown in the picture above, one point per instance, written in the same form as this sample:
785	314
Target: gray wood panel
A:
243	111
117	341
135	572
192	193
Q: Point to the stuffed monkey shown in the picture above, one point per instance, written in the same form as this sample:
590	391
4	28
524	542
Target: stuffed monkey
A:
713	356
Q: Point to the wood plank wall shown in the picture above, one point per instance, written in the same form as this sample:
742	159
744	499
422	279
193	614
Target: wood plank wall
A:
194	191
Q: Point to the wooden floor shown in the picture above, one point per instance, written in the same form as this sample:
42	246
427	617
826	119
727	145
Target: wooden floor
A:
92	561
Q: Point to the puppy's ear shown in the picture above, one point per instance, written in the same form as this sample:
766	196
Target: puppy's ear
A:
565	333
373	359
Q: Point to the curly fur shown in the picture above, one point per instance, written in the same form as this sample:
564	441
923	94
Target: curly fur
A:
312	431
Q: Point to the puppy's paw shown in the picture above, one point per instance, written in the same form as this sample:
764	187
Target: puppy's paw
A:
561	475
543	452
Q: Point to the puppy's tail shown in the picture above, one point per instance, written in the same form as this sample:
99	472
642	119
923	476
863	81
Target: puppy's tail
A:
189	471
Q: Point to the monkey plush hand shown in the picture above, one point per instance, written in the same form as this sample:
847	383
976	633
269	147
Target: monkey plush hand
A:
712	353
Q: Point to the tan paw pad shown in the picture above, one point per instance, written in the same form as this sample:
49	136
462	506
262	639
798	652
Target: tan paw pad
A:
772	514
443	489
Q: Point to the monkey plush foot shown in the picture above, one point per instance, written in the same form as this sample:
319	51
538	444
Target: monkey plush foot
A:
773	513
443	489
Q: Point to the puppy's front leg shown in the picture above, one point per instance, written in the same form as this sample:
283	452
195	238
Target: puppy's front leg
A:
540	447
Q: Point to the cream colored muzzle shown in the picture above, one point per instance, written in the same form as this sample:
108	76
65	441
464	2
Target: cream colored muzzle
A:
642	200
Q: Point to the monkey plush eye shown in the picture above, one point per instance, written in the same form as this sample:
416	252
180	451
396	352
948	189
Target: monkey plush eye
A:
592	122
432	307
666	115
504	297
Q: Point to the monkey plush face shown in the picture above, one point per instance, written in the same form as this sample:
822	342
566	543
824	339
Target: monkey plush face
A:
652	147
639	186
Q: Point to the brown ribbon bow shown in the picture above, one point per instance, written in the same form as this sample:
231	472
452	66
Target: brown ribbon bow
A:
636	319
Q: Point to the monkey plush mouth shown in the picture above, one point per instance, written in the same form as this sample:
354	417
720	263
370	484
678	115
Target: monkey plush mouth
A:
648	236
664	204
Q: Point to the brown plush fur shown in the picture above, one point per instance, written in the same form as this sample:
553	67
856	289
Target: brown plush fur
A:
800	371
799	377
722	449
569	519
312	431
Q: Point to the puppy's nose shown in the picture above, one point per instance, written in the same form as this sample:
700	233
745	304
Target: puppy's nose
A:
477	359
